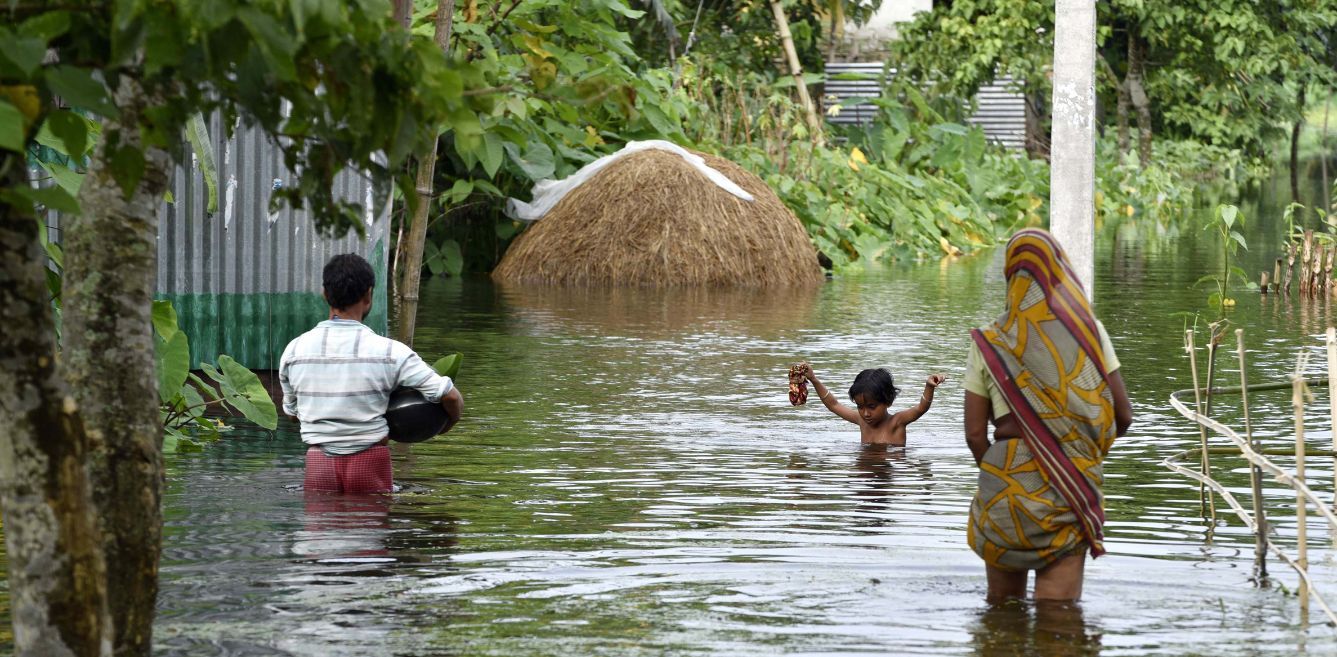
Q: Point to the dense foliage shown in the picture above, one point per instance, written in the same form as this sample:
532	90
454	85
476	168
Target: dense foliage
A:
1230	74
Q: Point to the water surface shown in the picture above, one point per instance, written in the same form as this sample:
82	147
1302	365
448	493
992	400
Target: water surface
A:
631	480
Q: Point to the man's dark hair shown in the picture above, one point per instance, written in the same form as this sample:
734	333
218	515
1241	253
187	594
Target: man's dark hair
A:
347	278
875	384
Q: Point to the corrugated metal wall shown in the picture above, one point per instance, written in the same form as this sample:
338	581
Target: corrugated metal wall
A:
245	282
999	109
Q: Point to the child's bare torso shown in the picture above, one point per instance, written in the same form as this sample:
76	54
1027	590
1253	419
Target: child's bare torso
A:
890	431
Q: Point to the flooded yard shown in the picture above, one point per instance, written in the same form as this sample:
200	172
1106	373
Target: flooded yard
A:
632	480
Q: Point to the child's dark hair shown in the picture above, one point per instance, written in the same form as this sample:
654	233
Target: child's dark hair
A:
875	384
347	278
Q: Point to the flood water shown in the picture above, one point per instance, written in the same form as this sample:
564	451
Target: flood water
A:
631	480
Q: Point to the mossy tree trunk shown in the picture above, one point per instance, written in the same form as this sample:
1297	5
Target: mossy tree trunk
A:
57	585
110	262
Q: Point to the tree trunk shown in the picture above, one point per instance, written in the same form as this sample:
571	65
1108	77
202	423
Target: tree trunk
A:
57	586
1323	153
796	69
837	29
1037	136
1137	94
417	237
1295	144
111	252
1121	118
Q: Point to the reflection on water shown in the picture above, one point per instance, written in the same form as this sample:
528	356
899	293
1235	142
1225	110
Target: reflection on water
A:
631	480
1042	629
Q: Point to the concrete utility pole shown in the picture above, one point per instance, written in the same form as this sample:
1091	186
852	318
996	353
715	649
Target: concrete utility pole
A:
1072	161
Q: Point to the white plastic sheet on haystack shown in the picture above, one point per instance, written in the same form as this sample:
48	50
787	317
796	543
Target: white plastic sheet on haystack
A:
547	193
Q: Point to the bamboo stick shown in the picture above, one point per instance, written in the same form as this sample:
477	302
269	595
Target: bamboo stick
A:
1322	263
1269	451
1262	282
1306	254
1328	269
1301	530
1243	515
1203	497
1290	266
1276	276
796	70
1332	407
1255	473
1213	342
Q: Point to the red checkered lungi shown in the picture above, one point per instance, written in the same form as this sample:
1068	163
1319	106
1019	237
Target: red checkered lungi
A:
367	471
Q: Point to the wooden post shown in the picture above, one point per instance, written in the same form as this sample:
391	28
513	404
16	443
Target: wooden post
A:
1306	254
1204	499
1276	276
1301	530
796	69
1262	282
417	236
1317	287
1290	266
1328	270
1255	473
1332	403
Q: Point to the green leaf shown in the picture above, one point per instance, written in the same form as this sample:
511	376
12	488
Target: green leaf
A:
66	132
244	392
1234	235
53	198
507	228
46	25
204	388
23	53
449	365
164	319
276	46
79	89
127	167
197	133
1228	214
492	154
537	160
12	135
68	179
452	257
173	365
431	258
460	190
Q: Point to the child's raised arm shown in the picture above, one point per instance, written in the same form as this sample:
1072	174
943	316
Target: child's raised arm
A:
925	400
829	399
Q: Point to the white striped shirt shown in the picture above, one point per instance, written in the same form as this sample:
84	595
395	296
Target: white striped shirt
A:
337	379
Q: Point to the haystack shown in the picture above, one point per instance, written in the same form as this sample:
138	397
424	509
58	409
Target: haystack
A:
651	219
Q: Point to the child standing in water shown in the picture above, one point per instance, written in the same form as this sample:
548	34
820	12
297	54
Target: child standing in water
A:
872	392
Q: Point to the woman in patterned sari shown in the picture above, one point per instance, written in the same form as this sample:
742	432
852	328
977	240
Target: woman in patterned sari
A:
1044	374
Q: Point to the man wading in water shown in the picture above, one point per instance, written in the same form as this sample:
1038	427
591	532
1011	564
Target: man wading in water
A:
337	379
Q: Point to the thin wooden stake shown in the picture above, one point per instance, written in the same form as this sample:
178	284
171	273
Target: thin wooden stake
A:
1213	343
1290	266
1255	473
1306	255
1301	530
1332	406
1204	499
1262	282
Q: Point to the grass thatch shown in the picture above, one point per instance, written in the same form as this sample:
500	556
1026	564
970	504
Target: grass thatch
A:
650	219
